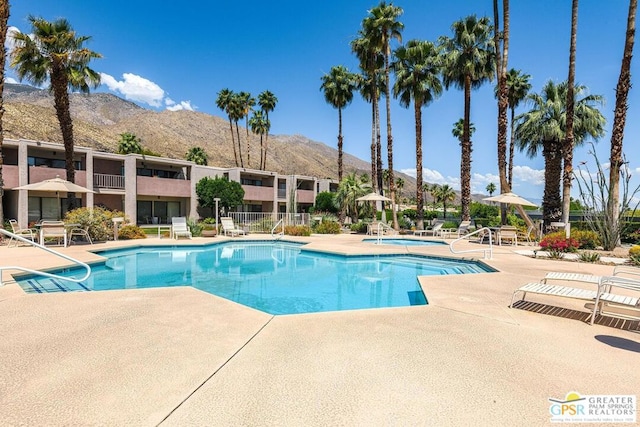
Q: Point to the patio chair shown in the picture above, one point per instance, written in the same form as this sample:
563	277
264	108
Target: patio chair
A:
525	236
229	227
53	230
508	233
27	233
179	227
433	230
81	232
463	228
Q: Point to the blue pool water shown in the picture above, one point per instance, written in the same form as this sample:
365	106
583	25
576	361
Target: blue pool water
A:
278	278
405	242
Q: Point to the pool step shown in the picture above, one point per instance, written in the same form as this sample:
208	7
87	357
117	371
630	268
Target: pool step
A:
47	285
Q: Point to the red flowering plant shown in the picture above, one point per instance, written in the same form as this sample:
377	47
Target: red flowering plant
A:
556	244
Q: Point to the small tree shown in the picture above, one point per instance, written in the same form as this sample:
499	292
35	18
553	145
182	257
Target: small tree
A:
326	202
197	155
230	193
129	143
594	193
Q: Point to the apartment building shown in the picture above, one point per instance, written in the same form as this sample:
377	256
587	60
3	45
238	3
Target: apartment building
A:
147	189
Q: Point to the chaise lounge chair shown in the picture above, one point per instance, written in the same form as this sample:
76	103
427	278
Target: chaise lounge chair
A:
229	228
434	230
179	227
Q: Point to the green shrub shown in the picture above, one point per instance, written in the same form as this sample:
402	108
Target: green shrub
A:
194	227
589	256
410	213
131	232
327	227
450	224
97	220
297	230
634	254
359	227
586	239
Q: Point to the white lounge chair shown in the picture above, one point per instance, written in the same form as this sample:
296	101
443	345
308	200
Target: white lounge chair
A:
508	233
179	227
434	230
26	233
463	228
53	230
229	228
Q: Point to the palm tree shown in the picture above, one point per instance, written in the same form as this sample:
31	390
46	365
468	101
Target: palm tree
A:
4	18
469	62
247	102
417	67
197	155
491	188
53	52
236	111
129	143
386	177
267	102
445	194
433	190
260	125
349	189
381	27
371	84
399	187
620	115
543	127
223	102
518	87
338	87
568	143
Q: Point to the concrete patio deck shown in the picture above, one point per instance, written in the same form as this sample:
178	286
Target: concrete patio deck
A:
179	356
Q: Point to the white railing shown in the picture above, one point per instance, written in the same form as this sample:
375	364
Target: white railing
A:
43	273
263	222
275	227
484	250
381	230
103	180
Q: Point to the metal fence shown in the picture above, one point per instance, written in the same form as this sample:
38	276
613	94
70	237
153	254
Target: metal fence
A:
260	222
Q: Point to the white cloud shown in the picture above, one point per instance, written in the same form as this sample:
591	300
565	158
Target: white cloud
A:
183	105
10	80
528	175
9	42
135	88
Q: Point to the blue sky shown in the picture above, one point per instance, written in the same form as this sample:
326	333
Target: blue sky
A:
179	55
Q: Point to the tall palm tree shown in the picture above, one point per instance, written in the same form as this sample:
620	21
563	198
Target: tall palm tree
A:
4	19
567	145
197	155
399	187
620	115
518	87
236	111
223	102
53	52
469	62
382	26
491	188
338	87
445	194
349	189
417	67
433	190
247	102
371	84
267	102
260	126
543	127
386	178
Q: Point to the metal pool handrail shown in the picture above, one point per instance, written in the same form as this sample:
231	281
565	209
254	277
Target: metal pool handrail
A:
43	273
381	228
280	234
484	251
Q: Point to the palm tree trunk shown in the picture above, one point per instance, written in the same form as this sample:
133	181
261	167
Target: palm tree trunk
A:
501	70
620	115
374	177
261	151
248	145
239	145
266	143
465	164
512	140
233	142
419	201
4	18
59	83
569	138
551	202
379	173
392	184
339	144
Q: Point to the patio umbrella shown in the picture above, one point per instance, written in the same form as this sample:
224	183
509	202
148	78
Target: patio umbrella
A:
56	185
510	199
375	197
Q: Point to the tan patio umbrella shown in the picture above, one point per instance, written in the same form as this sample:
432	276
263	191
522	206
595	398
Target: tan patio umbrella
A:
57	185
510	199
375	197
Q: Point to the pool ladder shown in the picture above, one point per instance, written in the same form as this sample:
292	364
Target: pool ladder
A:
43	273
487	253
279	235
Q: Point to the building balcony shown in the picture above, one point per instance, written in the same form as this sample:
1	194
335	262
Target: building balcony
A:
108	181
40	173
306	196
166	187
258	193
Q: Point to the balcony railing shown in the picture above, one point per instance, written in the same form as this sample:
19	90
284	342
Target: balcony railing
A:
103	180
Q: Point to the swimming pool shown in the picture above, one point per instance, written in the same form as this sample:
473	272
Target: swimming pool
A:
275	277
405	242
